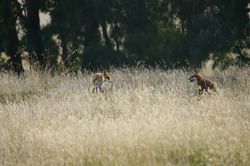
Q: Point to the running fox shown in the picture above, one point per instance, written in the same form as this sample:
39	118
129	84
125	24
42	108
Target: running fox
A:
204	83
99	79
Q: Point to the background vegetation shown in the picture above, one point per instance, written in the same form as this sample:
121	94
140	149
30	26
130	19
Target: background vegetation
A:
91	34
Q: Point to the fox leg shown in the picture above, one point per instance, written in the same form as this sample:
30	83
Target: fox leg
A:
101	90
95	89
215	90
200	91
207	91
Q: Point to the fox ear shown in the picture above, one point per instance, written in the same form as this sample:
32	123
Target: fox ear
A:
106	72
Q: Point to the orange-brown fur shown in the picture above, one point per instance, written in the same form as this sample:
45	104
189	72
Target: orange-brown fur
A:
98	79
204	83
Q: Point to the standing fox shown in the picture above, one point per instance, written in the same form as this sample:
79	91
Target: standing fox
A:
99	79
203	83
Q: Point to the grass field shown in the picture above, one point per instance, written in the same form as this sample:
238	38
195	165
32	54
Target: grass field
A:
151	117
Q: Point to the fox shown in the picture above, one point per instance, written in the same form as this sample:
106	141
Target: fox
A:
203	83
99	79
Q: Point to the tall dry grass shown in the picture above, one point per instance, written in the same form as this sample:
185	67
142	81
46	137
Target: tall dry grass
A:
151	117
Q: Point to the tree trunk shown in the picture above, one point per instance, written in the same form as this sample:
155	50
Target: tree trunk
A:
91	33
105	36
13	42
182	21
35	45
65	52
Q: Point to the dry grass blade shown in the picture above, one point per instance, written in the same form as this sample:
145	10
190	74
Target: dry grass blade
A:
151	117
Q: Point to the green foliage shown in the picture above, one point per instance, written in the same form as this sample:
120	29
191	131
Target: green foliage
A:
103	33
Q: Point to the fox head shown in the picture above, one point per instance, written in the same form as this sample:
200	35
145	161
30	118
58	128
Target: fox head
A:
107	75
194	76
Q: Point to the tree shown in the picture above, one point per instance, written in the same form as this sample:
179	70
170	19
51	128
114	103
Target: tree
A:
35	43
12	43
102	33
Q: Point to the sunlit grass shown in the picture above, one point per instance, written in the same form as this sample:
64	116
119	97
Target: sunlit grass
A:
151	117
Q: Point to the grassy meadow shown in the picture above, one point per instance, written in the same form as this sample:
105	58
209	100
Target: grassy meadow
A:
151	117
